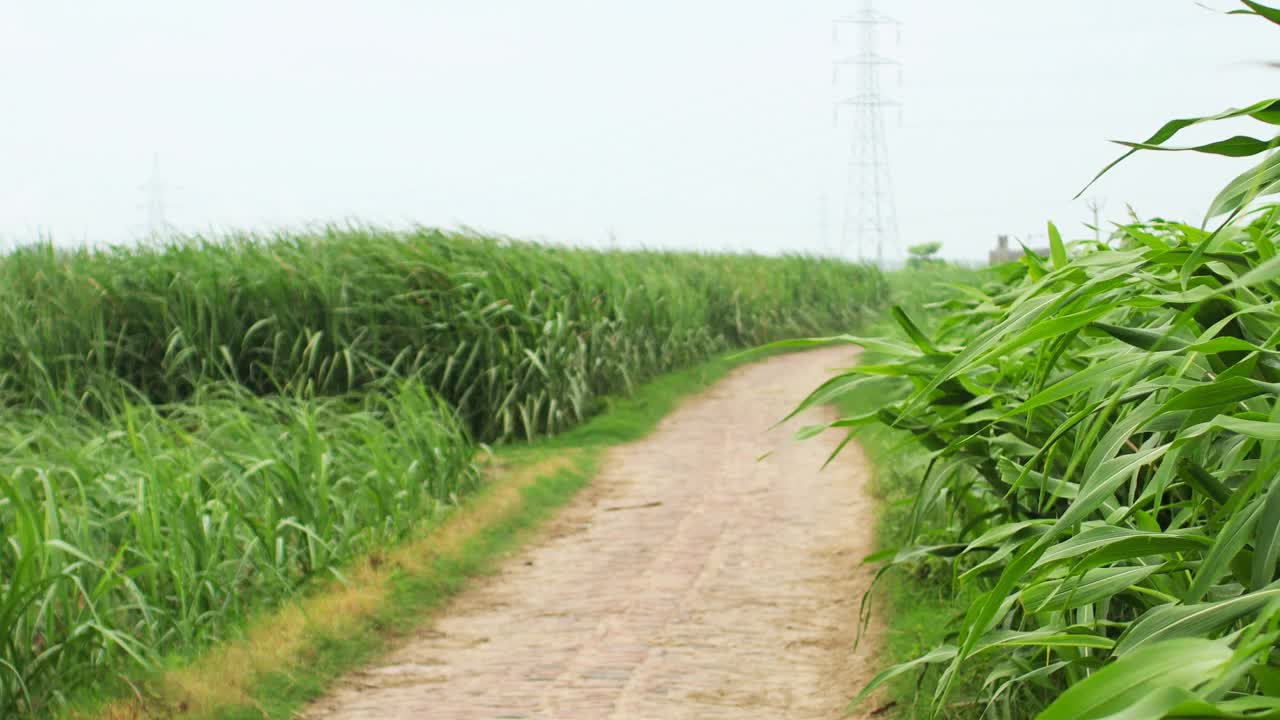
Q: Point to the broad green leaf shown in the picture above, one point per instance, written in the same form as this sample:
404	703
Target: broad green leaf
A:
1263	273
1142	338
1185	663
880	345
1047	638
994	562
1080	590
1228	543
1259	429
1031	479
913	331
1164	702
1256	182
1263	11
810	431
1236	146
1109	543
1265	110
1102	486
1184	621
939	655
1057	250
1228	391
1079	382
917	552
1000	533
1266	543
1225	344
830	390
1047	329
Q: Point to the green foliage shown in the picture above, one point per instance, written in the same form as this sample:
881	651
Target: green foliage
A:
1103	452
162	527
520	338
1260	180
915	601
197	431
923	254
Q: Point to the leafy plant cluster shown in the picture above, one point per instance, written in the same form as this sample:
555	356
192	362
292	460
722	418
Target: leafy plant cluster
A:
193	433
923	255
521	338
158	530
1103	430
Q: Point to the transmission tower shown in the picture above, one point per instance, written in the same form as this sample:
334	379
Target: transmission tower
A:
157	206
1096	206
824	226
870	218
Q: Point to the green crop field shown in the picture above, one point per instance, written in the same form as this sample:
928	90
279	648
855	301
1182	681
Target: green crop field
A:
1097	445
1077	457
194	432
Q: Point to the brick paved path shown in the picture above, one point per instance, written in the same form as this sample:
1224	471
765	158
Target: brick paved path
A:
692	580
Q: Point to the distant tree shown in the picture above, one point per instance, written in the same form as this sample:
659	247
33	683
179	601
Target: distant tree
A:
923	254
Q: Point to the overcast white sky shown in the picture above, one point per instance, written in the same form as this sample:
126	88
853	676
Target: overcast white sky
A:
675	123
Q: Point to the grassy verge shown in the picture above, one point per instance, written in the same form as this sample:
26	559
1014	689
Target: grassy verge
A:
287	657
919	604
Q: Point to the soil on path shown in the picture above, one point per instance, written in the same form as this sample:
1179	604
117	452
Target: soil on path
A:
693	579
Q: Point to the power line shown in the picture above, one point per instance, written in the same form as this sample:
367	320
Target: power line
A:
870	215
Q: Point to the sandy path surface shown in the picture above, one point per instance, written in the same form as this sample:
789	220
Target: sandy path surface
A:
691	580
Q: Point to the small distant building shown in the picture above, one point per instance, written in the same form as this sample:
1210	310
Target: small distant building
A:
1003	253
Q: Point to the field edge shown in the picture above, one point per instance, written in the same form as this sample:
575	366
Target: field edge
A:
288	657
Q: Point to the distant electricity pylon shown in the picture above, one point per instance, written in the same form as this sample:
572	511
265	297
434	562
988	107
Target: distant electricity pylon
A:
824	226
870	217
1096	206
157	205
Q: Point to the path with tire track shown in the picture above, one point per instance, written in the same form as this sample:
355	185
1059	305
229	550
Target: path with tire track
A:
710	571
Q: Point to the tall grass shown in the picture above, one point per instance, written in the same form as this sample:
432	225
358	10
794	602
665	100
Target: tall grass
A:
915	601
1103	449
161	527
1103	437
192	432
522	339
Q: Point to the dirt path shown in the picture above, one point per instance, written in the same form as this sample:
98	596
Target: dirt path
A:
690	581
